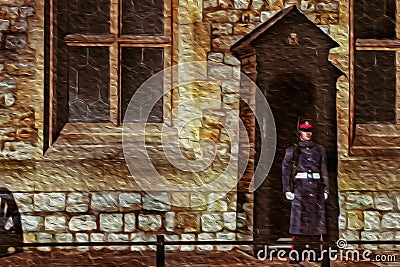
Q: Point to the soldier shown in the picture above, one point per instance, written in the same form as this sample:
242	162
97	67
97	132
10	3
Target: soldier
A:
305	184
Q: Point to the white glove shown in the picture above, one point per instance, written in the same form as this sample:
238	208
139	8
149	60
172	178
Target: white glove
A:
325	196
289	195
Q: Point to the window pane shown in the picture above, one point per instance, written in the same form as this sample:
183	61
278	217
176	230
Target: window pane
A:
89	16
88	82
139	64
375	86
374	18
143	17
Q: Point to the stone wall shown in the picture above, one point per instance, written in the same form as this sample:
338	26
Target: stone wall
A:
370	216
19	74
129	216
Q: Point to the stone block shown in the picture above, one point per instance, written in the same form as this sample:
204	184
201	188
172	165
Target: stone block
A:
369	236
97	237
232	201
225	4
158	202
210	3
83	223
4	24
187	237
55	223
327	7
130	201
391	220
230	221
78	202
231	60
386	236
358	201
29	238
230	87
211	222
118	238
198	201
243	28
19	26
10	12
149	222
372	220
241	220
31	223
8	85
14	42
188	221
397	238
129	222
266	15
241	4
222	16
111	222
221	29
350	235
343	221
257	4
82	237
170	221
24	202
398	202
105	201
49	202
225	237
206	237
18	150
44	238
172	238
220	72
383	201
25	68
355	220
230	99
27	11
217	202
237	72
138	237
63	238
180	199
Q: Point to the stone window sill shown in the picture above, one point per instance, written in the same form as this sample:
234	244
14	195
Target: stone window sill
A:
94	141
374	140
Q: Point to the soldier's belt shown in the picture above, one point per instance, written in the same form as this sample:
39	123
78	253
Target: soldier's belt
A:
307	175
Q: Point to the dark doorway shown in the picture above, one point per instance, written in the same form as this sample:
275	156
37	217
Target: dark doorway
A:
270	205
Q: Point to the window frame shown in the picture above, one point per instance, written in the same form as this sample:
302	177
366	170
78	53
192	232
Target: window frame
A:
373	139
79	136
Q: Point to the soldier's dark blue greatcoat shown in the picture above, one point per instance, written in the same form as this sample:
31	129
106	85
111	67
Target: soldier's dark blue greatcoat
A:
308	207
